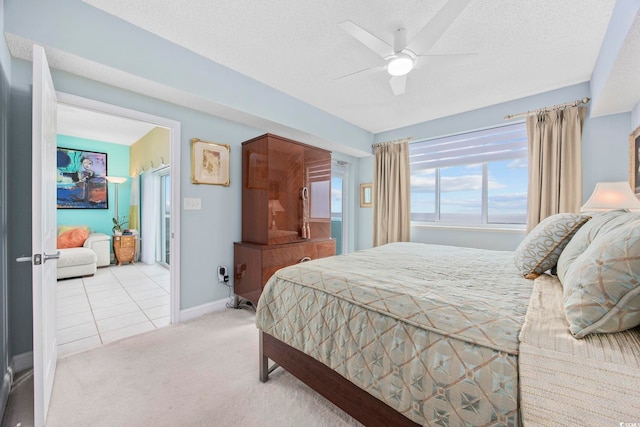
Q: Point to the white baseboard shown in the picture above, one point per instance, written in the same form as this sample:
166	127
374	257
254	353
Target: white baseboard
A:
22	362
200	310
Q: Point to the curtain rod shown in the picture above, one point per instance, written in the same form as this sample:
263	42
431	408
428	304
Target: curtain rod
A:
395	141
575	103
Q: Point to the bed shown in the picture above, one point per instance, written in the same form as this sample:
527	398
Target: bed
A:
416	334
433	333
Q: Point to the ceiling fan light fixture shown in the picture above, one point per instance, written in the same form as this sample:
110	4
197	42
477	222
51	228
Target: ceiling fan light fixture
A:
400	65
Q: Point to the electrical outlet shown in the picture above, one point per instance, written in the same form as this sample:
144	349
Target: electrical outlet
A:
223	274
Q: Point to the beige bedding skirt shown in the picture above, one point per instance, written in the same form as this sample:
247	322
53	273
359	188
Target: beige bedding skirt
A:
594	381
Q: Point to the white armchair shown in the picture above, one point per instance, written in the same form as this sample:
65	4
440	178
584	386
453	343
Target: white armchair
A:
100	243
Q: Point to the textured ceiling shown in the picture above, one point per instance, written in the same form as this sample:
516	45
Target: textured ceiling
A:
96	126
622	89
519	47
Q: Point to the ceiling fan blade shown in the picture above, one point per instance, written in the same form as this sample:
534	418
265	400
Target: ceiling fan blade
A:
356	72
380	47
398	84
435	28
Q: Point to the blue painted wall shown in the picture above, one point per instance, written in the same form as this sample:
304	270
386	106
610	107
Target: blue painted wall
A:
99	220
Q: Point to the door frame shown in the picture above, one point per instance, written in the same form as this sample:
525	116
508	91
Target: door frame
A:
175	137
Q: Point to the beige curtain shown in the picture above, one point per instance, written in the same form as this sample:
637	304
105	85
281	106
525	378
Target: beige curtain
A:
391	190
555	163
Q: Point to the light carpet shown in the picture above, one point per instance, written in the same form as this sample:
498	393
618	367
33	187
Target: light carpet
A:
203	372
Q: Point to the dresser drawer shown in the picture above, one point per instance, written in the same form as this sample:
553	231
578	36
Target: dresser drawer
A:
284	255
126	252
275	258
255	264
126	241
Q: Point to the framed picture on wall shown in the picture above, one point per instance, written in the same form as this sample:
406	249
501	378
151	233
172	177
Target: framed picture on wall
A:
366	195
209	163
634	175
81	179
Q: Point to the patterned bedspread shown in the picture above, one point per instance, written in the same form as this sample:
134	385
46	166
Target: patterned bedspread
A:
430	330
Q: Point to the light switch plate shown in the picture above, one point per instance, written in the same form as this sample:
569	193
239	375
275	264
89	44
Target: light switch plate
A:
192	203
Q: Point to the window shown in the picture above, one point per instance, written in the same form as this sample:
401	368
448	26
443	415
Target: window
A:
473	178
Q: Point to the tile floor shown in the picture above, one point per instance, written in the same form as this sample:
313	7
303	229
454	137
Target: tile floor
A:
115	303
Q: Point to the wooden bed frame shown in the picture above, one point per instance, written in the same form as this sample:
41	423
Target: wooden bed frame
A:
334	387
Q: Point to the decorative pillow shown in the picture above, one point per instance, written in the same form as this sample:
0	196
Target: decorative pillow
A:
64	228
602	286
540	250
600	222
73	238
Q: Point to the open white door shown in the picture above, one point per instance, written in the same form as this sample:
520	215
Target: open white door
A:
43	225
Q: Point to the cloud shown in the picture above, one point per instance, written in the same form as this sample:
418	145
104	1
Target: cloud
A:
467	183
519	163
424	184
476	166
461	183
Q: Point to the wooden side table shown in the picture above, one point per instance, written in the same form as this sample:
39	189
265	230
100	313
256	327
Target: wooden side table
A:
124	248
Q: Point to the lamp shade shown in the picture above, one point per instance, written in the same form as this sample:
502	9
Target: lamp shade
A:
611	195
275	206
116	179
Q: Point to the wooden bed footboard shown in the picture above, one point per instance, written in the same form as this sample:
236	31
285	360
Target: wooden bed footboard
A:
334	387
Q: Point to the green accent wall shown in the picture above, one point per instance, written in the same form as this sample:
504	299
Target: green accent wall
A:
99	220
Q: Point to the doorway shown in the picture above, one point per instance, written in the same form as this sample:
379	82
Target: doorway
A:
152	280
339	205
155	205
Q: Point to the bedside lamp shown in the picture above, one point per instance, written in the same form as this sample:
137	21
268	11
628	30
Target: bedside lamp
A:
608	196
274	207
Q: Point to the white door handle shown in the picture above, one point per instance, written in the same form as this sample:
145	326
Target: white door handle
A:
37	258
47	257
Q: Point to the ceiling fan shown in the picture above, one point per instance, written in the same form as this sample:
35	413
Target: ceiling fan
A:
401	57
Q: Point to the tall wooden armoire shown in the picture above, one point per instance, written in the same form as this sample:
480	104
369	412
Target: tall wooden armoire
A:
286	210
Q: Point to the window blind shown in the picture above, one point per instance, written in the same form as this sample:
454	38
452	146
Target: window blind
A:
489	145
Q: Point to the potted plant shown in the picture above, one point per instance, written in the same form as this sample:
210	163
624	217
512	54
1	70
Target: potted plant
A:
118	224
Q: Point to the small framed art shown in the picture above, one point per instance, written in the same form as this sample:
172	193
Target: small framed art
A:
209	163
366	195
